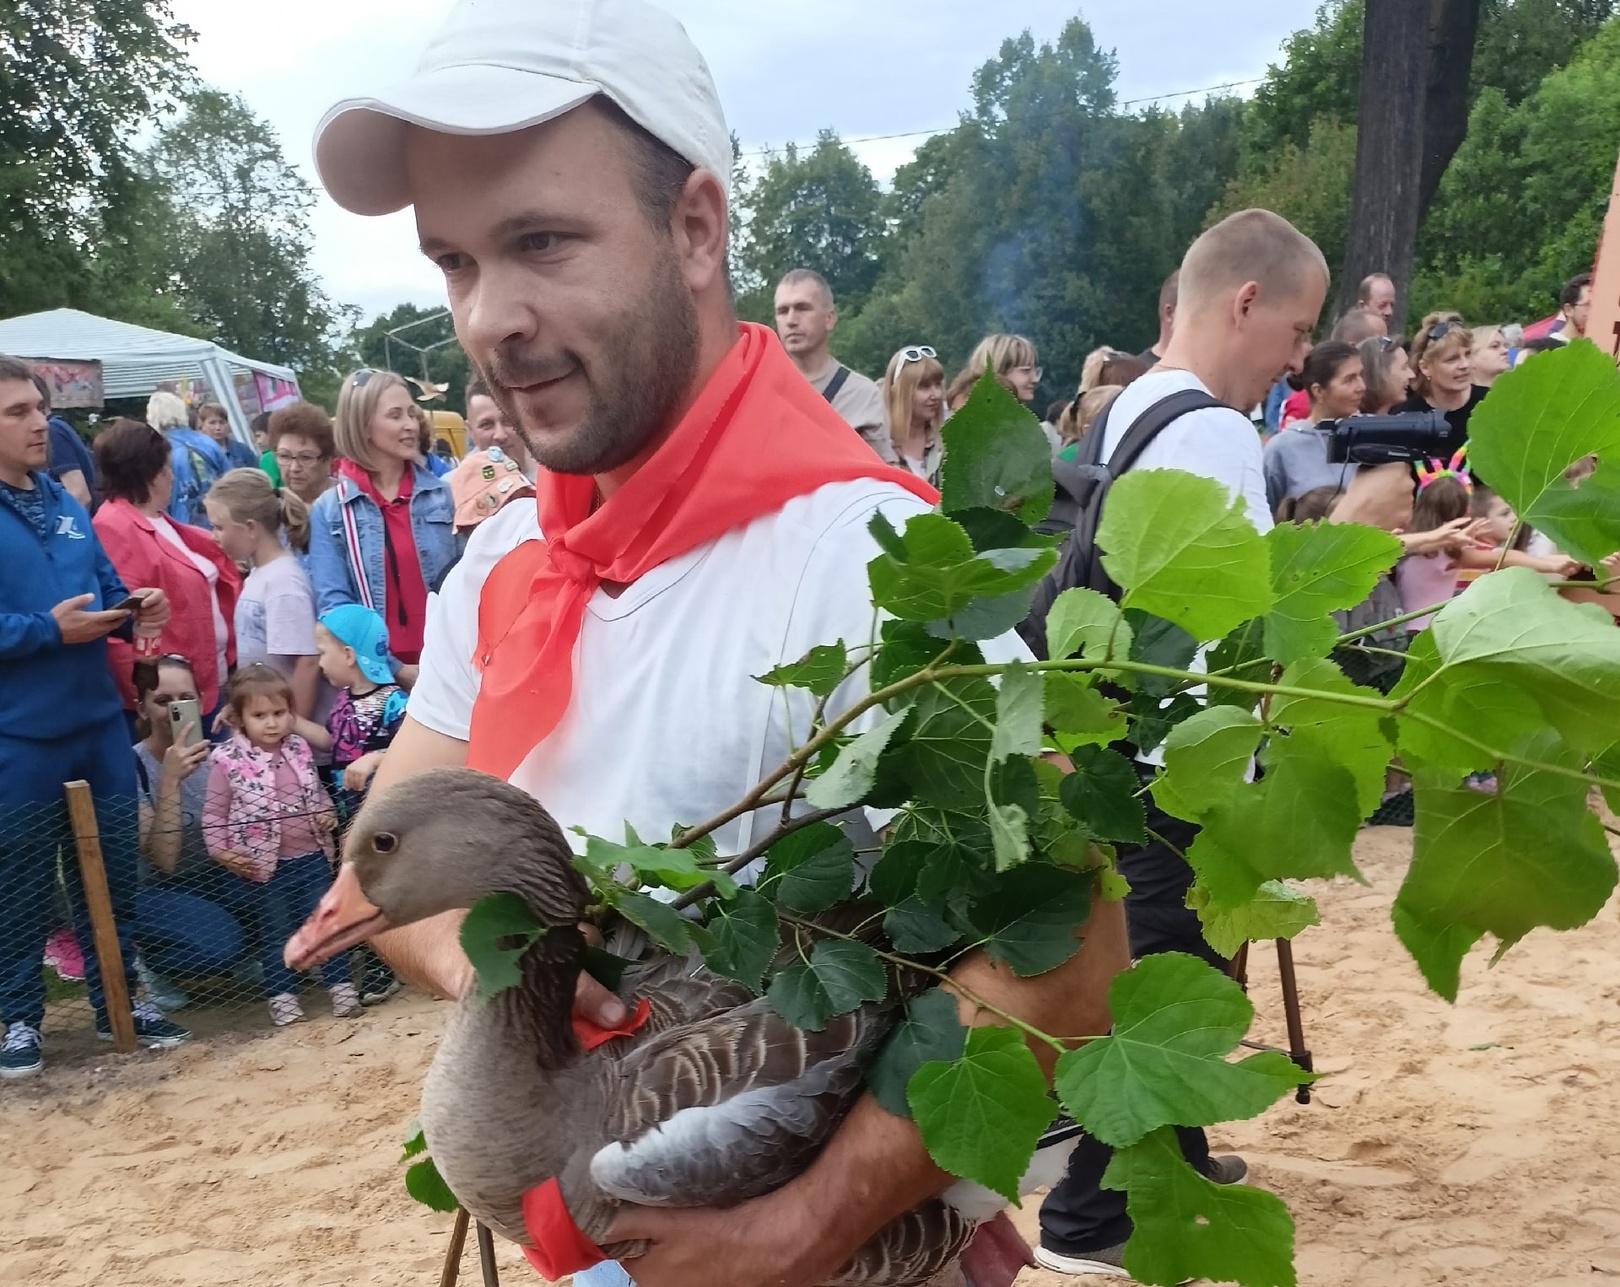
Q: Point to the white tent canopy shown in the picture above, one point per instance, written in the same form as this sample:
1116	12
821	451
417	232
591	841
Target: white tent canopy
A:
135	360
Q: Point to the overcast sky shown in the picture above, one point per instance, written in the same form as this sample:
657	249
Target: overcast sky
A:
861	67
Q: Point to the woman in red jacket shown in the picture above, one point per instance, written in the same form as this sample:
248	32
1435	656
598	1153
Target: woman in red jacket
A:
148	546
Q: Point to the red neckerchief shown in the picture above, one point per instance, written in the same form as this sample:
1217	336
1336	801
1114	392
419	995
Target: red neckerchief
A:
559	1247
757	436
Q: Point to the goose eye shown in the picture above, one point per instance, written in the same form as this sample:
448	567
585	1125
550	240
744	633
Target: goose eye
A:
385	842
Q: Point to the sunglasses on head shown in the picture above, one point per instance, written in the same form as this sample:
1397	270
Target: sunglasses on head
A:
916	353
1441	329
361	376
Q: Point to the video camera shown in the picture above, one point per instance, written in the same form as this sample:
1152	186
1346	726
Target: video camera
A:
1387	440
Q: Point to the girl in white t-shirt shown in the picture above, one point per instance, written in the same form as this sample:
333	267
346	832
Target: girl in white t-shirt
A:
256	522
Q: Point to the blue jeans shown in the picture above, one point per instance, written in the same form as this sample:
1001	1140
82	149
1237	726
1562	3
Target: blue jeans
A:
180	933
610	1273
35	833
281	905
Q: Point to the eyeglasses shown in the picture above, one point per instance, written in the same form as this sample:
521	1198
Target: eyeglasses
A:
1442	329
1034	371
916	353
302	458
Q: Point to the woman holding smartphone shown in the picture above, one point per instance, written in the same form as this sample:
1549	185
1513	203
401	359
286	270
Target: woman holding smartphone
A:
148	548
184	921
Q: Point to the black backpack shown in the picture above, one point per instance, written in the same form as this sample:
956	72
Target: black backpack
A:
1082	486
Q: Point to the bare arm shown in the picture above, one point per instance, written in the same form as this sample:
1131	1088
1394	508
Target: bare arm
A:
305	681
875	1167
428	953
73	481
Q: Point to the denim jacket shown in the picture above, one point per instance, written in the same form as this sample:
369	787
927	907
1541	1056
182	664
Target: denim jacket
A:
331	569
197	460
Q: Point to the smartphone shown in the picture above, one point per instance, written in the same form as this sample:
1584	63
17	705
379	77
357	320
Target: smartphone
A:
183	711
130	603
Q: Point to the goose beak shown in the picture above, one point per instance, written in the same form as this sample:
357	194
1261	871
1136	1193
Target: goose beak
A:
343	918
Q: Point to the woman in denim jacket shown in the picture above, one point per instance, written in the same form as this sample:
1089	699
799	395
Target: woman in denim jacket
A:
384	535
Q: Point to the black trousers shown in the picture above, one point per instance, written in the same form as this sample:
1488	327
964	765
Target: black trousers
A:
1079	1216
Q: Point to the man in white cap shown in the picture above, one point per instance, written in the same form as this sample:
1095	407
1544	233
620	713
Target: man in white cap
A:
704	512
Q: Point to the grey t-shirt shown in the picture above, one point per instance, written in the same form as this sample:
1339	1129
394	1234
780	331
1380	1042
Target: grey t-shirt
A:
193	792
275	616
860	402
1296	462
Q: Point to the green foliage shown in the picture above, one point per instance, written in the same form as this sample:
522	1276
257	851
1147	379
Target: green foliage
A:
984	1110
1315	569
1176	1019
1003	459
496	933
1186	1226
810	870
820	670
1275	911
740	938
930	1032
422	1179
425	348
837	976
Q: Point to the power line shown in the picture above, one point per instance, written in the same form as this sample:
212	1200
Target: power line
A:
916	134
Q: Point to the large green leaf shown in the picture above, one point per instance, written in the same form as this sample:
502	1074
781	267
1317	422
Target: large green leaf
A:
982	1115
1019	705
820	670
1182	550
1083	623
1357	738
1316	568
740	938
930	1032
424	1183
654	864
1298	821
1176	1019
1504	660
838	976
919	929
1102	793
1030	919
1275	911
1185	1226
1502	863
1205	759
495	934
938	573
1540	419
907	647
996	456
666	925
854	773
810	869
944	757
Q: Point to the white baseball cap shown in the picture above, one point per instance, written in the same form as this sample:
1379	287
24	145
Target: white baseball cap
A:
502	65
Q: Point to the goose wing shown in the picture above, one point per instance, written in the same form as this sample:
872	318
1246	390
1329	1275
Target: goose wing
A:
731	1106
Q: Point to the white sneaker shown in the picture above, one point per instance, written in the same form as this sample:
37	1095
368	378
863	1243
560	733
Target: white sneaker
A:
284	1009
346	1001
1108	1262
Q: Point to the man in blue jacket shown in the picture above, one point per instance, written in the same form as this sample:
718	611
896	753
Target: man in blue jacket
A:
61	719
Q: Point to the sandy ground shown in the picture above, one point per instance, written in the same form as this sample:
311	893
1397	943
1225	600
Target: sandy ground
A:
1447	1145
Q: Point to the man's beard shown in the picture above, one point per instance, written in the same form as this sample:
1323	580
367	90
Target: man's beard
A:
654	352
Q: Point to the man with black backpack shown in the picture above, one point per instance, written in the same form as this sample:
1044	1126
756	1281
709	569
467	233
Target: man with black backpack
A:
1251	290
805	317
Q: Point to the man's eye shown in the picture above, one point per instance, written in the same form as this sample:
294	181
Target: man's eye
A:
451	263
539	241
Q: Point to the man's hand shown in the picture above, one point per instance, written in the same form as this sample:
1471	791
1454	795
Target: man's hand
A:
154	612
762	1243
239	864
80	627
1448	536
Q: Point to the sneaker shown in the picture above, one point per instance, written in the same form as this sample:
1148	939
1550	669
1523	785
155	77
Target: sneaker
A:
378	983
19	1052
284	1009
159	990
346	1001
1109	1262
152	1028
62	954
1226	1170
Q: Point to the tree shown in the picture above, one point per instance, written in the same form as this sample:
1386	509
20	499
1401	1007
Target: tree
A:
820	210
425	348
80	79
238	236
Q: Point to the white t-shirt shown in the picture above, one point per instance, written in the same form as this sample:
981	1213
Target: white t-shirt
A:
222	633
667	724
1216	442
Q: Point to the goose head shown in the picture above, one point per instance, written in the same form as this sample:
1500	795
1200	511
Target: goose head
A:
434	843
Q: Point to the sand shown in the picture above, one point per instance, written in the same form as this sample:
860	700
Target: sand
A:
1474	1143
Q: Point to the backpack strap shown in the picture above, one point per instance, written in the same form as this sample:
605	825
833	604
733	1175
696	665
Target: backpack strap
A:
1148	426
836	383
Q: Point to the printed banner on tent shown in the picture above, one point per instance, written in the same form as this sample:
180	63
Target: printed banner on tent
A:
72	384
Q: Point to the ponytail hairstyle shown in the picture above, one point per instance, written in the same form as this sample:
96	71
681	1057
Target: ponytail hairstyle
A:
1441	500
248	496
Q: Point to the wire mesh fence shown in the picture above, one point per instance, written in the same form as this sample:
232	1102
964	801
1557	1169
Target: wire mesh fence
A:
187	890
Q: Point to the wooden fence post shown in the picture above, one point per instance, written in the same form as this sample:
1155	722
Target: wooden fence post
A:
93	875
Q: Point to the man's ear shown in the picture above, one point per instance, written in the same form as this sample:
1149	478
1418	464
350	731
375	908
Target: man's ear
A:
1248	295
699	225
832	320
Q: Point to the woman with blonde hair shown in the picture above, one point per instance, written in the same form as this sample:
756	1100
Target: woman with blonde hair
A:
1013	360
1490	354
1443	379
196	458
914	399
385	535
